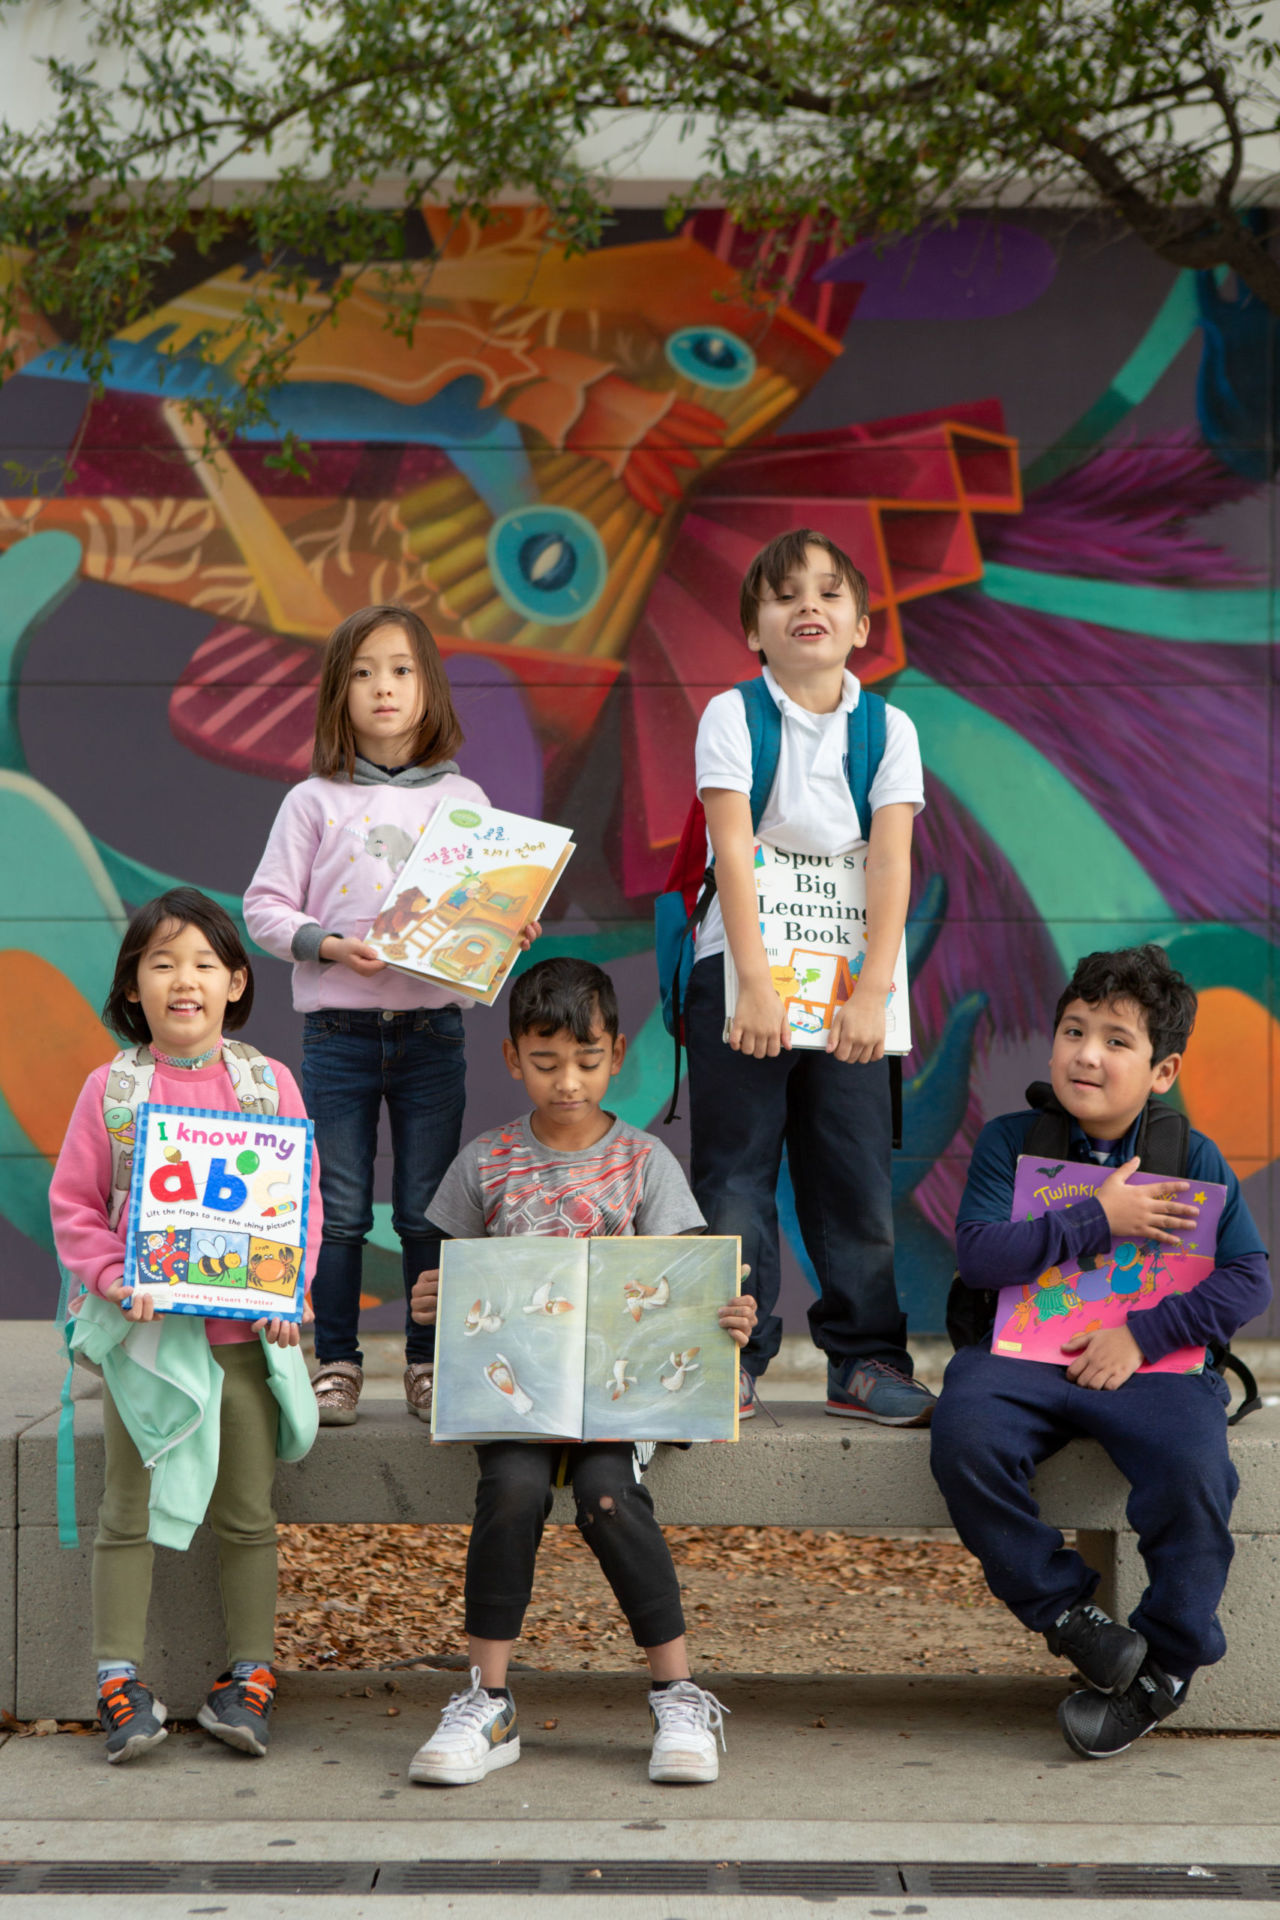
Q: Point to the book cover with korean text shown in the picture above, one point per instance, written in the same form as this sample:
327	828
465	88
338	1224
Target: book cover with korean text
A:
813	921
1063	1302
218	1211
473	880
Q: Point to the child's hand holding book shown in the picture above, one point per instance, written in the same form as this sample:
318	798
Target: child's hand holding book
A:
1145	1212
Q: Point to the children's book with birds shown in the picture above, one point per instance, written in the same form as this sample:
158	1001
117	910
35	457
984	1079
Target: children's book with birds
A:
539	1337
218	1206
472	880
1101	1290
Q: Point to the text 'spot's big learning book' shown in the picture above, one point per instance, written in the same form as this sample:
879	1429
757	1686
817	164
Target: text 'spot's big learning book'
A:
544	1338
474	878
1064	1302
218	1213
813	920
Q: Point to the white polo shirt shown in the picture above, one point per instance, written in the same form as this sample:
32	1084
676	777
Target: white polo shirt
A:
810	808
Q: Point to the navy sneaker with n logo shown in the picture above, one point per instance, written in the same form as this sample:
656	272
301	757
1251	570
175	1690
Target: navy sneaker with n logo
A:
873	1390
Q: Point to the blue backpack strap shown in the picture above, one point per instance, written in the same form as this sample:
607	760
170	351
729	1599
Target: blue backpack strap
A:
868	725
764	729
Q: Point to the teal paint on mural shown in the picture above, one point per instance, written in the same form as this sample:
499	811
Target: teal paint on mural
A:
1239	616
137	882
643	1087
34	576
1035	815
1175	321
24	1182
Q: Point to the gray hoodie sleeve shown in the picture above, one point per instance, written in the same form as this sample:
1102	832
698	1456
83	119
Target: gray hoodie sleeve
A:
309	939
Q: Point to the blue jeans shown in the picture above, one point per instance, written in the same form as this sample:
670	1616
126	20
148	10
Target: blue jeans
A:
997	1419
353	1060
836	1123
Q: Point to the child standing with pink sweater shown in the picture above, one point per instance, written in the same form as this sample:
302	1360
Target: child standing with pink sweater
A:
182	979
385	733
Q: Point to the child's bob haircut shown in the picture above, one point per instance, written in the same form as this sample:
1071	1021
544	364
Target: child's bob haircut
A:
785	555
1144	976
439	733
570	995
180	907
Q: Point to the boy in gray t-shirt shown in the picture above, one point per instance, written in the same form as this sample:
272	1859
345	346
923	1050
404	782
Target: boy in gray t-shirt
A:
573	1169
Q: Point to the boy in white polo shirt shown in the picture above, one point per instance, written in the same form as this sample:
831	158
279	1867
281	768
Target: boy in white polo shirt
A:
804	610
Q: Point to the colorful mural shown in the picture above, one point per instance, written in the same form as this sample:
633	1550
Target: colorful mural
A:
1052	458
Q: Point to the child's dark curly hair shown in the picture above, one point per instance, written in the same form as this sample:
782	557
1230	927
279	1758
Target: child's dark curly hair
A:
574	996
1143	975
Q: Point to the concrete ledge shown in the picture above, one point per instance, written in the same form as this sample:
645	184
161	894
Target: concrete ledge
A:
811	1471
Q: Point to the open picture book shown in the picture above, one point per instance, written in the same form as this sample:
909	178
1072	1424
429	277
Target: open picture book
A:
544	1338
1033	1321
218	1209
813	921
474	878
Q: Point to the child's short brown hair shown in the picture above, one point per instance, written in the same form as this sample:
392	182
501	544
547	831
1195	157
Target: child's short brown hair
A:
785	554
439	733
180	907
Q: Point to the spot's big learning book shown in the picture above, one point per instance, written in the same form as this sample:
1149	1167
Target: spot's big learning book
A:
457	905
544	1338
813	921
218	1212
1032	1322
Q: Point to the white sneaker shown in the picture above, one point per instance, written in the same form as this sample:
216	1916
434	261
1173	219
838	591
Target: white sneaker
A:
475	1735
686	1721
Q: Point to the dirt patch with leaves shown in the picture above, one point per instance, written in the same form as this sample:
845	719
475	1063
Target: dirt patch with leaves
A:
757	1599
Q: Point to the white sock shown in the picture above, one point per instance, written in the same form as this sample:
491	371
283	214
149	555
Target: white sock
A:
115	1670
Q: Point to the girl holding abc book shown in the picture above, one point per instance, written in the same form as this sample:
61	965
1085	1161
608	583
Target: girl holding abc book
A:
182	980
386	731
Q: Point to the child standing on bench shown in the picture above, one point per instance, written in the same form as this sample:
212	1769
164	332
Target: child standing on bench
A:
572	1168
804	610
1120	1030
386	731
182	981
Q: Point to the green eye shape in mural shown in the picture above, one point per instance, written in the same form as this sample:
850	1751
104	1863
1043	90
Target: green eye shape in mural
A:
548	563
712	357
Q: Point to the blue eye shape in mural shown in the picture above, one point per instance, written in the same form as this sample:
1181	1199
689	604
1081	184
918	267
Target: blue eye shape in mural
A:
711	356
548	563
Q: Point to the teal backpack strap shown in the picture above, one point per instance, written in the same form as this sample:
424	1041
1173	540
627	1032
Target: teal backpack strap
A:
764	728
868	724
68	1532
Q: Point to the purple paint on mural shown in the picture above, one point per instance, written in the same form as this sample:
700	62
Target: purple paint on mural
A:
976	270
501	751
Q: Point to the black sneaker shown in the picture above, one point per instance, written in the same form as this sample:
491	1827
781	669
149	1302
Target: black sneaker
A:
1096	1725
1107	1654
237	1711
132	1719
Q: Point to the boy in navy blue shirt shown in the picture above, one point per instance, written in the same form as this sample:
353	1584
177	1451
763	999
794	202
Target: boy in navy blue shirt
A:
1119	1033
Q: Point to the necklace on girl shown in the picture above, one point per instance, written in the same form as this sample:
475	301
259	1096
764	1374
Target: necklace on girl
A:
195	1060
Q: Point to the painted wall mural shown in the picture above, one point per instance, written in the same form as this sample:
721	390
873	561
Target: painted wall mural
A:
1052	457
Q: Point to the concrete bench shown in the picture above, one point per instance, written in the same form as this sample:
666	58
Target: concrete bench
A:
810	1472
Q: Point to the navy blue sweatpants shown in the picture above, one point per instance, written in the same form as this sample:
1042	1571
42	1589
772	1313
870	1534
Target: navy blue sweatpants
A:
997	1419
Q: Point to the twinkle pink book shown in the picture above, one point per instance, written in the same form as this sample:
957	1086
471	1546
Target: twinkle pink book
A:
1033	1321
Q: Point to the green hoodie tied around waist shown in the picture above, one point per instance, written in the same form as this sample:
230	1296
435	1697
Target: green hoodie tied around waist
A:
167	1387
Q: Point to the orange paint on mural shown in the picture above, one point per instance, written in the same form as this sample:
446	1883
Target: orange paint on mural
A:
50	1042
1226	1081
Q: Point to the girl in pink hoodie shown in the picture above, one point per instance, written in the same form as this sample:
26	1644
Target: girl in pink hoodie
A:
386	731
182	980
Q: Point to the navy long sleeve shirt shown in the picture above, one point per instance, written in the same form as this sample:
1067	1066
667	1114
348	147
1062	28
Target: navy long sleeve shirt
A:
995	1251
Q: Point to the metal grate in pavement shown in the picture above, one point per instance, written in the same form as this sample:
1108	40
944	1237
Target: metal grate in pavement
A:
747	1879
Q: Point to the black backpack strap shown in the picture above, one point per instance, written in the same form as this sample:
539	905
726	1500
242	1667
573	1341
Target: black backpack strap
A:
701	908
1228	1362
1164	1139
895	1098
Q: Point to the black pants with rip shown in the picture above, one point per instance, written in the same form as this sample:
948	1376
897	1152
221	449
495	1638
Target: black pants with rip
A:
615	1518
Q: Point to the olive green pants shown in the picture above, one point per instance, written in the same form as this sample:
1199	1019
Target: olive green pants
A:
240	1513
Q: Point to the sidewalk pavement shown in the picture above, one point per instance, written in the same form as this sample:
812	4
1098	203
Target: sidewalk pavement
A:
848	1768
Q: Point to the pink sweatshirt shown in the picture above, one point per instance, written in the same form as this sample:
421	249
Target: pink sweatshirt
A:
81	1185
330	866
